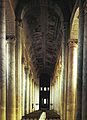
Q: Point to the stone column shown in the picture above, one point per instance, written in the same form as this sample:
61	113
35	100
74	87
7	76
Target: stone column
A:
84	85
72	78
59	91
80	62
28	85
35	91
56	93
63	81
23	86
51	96
31	93
2	62
27	90
36	96
11	96
18	65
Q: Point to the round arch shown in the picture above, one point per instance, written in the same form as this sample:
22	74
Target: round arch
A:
75	25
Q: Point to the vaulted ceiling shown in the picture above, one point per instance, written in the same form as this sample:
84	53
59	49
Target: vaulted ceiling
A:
44	22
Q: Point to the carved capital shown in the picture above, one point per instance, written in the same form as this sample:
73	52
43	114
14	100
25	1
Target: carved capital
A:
23	60
72	43
19	22
11	39
85	7
26	69
65	24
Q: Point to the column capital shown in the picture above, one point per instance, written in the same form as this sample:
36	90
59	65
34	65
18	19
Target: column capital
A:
11	39
59	69
52	83
19	22
56	77
26	69
72	43
65	24
85	7
24	60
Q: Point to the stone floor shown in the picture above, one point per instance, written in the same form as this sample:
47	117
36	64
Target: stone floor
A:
36	115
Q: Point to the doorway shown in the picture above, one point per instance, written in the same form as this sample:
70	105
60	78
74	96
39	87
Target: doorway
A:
44	92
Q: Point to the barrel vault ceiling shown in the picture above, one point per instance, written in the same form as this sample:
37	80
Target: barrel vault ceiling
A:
44	30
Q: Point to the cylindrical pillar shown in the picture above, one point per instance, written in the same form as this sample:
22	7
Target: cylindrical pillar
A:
2	62
36	96
11	98
66	30
84	85
56	93
50	96
72	78
18	71
27	90
30	97
33	94
23	87
80	62
59	91
25	100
